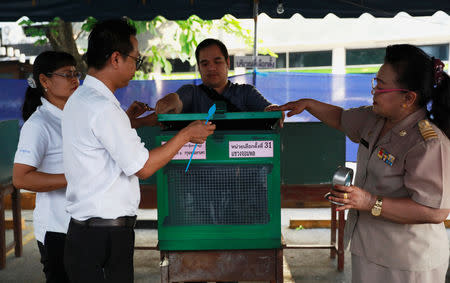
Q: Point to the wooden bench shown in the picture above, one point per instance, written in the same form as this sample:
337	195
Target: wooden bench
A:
9	137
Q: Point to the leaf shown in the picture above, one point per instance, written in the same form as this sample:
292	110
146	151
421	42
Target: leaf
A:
55	22
26	22
140	26
89	24
180	43
300	227
54	32
267	51
167	66
190	36
43	41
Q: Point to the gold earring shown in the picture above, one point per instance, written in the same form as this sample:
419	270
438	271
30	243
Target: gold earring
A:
404	105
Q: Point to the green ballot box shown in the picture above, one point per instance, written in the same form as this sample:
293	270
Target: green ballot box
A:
229	198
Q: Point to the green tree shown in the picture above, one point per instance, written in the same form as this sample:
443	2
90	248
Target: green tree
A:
170	39
60	36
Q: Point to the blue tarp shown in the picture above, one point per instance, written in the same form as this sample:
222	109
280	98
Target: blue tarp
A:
343	90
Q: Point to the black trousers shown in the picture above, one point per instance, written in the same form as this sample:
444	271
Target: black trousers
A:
99	254
52	257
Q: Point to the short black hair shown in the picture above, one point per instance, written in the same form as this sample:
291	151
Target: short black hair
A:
107	37
209	42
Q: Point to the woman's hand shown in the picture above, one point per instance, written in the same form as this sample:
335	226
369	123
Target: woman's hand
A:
273	107
198	132
352	197
27	177
294	107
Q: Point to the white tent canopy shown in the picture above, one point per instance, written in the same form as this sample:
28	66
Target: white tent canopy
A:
301	34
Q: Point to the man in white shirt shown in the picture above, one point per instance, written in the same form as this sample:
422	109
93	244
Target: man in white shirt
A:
103	158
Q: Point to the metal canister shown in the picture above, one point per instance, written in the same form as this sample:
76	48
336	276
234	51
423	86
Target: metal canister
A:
343	176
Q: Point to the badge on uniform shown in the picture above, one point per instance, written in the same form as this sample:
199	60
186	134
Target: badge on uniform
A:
427	130
386	156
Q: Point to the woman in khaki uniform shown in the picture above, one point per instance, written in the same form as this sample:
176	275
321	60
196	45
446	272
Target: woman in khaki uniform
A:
401	194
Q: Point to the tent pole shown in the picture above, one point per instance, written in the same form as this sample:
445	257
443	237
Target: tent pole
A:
255	38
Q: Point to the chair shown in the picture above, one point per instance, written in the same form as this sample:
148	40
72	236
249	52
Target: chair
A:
296	196
9	136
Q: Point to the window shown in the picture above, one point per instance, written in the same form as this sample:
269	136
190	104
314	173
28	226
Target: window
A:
376	55
281	61
310	59
231	62
438	51
364	56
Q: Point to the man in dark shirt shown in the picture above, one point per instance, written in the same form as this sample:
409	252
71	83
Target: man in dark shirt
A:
213	64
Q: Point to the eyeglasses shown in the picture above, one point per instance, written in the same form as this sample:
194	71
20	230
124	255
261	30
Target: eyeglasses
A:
68	75
139	60
376	90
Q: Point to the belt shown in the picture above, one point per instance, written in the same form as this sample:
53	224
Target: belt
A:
123	221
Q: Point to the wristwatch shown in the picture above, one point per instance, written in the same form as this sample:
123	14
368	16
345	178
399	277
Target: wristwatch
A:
376	209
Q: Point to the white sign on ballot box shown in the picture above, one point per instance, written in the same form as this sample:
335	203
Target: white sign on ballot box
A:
185	152
261	62
250	149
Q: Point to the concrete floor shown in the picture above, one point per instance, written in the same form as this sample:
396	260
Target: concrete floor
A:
300	265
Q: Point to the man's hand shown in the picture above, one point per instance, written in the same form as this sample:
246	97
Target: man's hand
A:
198	132
170	103
274	107
149	120
195	132
135	110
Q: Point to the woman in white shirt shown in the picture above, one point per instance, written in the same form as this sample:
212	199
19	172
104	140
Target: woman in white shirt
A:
38	163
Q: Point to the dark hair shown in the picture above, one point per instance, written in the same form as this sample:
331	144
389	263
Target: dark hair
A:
208	42
47	62
416	71
107	37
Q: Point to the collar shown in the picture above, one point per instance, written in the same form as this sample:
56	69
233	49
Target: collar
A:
98	85
51	108
227	87
404	125
410	121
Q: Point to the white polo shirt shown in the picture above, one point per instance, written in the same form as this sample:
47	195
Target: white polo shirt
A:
101	154
40	146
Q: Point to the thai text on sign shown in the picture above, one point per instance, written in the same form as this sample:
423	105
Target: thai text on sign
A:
185	152
250	149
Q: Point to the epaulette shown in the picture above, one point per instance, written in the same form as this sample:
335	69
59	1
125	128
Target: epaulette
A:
426	130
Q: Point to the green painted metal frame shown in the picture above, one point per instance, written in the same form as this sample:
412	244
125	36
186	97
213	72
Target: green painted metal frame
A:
219	116
213	237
